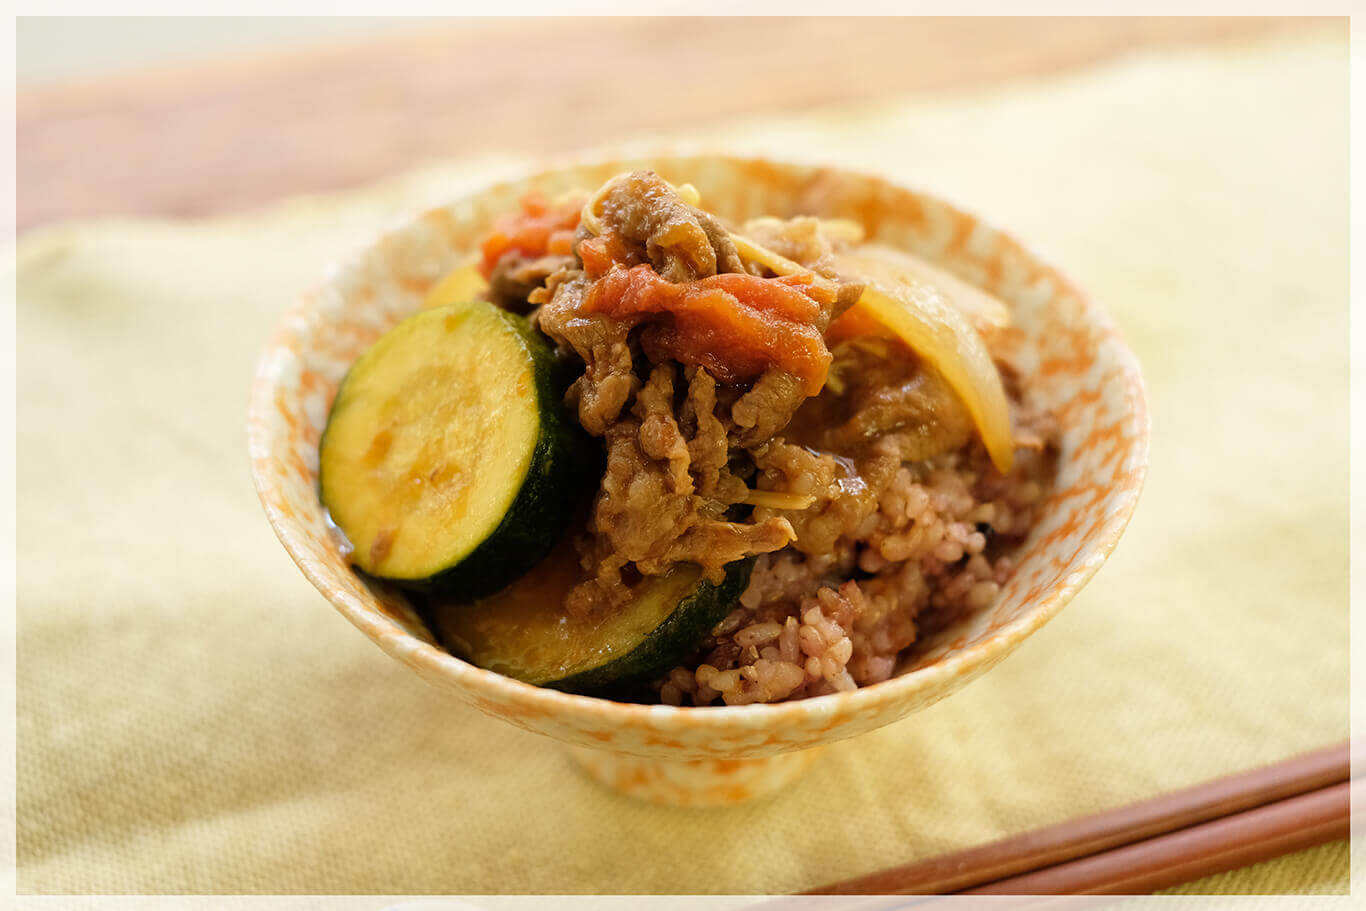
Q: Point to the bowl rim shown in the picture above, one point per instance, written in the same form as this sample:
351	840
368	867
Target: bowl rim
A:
430	661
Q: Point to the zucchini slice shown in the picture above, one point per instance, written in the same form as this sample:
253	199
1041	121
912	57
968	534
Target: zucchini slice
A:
448	460
521	632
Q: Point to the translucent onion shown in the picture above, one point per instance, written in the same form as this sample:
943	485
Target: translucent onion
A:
777	499
984	311
899	301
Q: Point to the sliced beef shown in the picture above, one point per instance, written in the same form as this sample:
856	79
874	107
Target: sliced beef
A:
516	277
684	436
804	241
799	239
682	243
767	407
608	381
649	512
882	390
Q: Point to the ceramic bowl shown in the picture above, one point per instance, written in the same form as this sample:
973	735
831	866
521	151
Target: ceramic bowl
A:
1076	364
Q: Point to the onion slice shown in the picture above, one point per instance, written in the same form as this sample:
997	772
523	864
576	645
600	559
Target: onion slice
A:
898	301
986	312
777	499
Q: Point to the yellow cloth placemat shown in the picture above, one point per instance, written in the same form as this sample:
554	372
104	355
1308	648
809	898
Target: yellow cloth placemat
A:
194	717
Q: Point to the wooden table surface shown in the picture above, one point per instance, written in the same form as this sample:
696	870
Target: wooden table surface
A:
231	133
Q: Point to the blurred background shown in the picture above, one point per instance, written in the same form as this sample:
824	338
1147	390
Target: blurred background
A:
194	116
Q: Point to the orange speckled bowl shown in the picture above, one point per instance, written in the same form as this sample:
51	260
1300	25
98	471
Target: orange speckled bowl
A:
1076	363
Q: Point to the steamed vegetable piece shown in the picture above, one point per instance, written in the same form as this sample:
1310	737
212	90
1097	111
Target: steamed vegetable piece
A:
448	460
521	632
899	302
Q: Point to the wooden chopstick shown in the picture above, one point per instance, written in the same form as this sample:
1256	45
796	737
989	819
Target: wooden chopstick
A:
1030	852
1294	824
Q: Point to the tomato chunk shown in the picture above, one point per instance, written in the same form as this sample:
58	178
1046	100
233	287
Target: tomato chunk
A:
606	251
536	230
735	325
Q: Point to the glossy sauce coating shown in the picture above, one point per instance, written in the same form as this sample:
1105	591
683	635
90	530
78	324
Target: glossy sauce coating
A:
735	325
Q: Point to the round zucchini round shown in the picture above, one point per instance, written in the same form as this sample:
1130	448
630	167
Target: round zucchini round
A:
448	460
522	632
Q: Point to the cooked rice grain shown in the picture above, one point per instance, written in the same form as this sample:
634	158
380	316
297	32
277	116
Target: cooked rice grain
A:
927	541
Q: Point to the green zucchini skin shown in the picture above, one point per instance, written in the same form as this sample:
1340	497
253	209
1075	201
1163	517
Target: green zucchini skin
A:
565	467
670	642
526	637
562	473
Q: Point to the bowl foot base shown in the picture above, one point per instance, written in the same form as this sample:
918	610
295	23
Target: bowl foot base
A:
692	782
